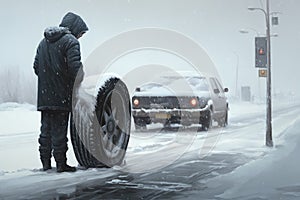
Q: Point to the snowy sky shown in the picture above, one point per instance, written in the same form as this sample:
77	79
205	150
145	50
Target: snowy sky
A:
214	24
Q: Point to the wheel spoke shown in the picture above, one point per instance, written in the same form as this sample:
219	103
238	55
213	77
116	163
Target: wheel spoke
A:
114	138
117	123
110	145
121	139
105	140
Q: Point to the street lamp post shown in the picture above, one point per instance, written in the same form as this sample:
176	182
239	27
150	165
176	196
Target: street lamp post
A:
236	75
269	140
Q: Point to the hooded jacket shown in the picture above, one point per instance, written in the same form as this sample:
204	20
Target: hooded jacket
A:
57	64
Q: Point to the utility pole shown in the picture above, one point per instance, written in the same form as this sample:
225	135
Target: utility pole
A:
236	75
269	139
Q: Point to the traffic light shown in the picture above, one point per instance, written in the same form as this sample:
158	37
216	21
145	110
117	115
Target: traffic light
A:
262	73
261	52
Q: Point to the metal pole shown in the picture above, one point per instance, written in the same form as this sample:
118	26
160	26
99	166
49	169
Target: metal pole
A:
236	75
269	140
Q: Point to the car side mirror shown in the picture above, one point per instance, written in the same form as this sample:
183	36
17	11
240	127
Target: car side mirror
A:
216	91
226	89
137	89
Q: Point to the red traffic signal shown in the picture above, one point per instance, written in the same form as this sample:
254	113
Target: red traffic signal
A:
261	51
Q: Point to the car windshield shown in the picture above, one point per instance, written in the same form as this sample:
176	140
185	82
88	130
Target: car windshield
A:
196	82
199	83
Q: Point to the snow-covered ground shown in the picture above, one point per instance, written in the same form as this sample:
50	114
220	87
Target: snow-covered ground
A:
272	172
275	174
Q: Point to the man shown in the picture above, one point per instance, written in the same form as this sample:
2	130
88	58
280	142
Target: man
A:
57	64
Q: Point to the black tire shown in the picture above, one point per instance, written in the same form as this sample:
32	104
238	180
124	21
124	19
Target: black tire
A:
171	129
206	120
140	127
168	127
101	140
224	121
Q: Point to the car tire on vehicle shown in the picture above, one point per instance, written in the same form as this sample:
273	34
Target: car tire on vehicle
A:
140	127
206	120
102	139
169	127
224	121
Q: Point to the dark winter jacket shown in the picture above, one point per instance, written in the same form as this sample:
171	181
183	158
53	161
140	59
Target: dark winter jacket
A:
57	64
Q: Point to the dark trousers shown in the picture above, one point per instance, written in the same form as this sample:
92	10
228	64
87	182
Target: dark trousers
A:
53	137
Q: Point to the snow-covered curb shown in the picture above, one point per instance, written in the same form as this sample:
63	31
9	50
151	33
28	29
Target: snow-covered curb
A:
259	178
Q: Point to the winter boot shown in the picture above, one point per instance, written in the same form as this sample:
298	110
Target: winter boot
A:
61	163
63	167
46	164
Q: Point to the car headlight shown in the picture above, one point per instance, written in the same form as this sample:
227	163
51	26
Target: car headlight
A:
136	102
193	102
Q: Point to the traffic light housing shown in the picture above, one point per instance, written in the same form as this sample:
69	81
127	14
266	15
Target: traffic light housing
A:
261	52
262	73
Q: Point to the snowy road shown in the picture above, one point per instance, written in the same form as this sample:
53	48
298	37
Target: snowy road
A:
159	164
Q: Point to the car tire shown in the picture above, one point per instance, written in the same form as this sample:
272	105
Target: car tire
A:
102	140
169	127
206	120
140	127
224	121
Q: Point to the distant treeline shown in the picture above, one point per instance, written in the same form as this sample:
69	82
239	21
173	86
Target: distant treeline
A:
17	84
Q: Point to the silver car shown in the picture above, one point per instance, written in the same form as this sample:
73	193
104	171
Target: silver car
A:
184	100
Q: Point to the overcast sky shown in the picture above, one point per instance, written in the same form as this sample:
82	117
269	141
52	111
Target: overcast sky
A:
214	24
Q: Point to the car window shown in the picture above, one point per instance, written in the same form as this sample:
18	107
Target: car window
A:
219	86
167	80
213	84
199	83
149	86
